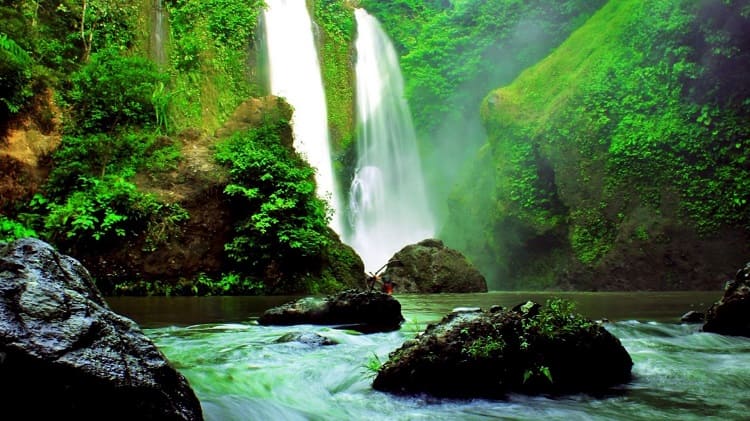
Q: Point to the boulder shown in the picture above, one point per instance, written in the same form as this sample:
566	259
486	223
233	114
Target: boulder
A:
431	267
63	348
359	310
731	314
529	349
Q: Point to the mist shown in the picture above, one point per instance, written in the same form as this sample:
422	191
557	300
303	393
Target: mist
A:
451	151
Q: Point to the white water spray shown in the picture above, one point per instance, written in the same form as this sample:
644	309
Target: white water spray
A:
387	200
294	71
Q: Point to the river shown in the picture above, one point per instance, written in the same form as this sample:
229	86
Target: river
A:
240	372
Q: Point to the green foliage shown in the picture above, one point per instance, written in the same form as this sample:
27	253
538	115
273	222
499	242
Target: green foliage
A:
98	155
451	50
591	234
229	23
107	208
557	319
203	285
11	230
286	223
164	222
228	284
373	364
113	90
627	124
536	372
90	200
212	47
337	38
485	347
15	76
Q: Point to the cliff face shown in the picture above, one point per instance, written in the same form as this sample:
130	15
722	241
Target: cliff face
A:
194	249
25	145
617	161
196	245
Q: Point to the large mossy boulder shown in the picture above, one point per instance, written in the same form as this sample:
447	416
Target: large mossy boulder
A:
528	349
431	267
731	314
62	348
359	310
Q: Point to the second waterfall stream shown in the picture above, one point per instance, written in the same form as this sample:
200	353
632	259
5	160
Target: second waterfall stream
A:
387	201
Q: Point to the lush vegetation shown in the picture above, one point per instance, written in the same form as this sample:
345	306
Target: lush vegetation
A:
454	52
213	43
126	101
87	52
630	135
283	236
625	135
336	21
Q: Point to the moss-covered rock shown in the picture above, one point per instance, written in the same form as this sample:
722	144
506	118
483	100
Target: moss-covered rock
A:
528	349
431	267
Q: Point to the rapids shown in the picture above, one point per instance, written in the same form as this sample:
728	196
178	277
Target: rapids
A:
239	372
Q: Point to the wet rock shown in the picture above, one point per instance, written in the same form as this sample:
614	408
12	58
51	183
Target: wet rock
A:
431	267
306	338
731	314
693	316
359	310
63	347
490	354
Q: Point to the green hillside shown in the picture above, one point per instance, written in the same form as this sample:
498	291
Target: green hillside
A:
619	157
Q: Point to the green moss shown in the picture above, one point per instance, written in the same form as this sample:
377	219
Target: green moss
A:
336	19
630	116
212	43
485	347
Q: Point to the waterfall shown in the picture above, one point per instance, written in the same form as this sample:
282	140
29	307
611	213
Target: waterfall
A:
387	199
294	73
158	33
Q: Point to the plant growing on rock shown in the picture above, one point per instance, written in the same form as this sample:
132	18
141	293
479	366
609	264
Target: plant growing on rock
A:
285	224
528	349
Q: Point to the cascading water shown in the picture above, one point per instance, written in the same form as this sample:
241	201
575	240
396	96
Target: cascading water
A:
387	200
294	73
158	33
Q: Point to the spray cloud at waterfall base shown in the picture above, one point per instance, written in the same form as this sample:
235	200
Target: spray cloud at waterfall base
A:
387	201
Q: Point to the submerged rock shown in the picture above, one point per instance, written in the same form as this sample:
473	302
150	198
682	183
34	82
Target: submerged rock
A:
62	347
431	267
731	314
306	338
359	310
693	316
488	354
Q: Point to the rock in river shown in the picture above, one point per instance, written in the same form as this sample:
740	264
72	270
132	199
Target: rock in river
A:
62	348
529	349
359	310
431	267
731	314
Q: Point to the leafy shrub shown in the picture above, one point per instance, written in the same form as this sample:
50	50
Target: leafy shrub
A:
105	209
274	186
113	90
15	76
97	155
12	230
